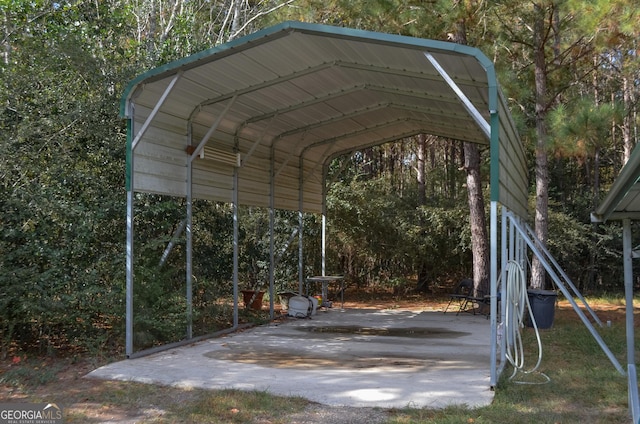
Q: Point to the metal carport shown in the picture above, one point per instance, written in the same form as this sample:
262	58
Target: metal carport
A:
622	203
257	121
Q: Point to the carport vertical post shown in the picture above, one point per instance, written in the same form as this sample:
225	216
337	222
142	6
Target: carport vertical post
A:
504	239
324	220
189	235
628	287
324	240
272	260
493	272
494	131
235	246
132	143
627	260
130	229
129	295
191	158
300	224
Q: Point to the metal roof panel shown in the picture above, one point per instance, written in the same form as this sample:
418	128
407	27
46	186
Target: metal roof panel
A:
311	90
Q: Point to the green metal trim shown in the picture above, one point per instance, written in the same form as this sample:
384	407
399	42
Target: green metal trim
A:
625	181
383	38
494	143
129	155
494	149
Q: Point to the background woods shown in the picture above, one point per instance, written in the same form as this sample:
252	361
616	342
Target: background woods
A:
398	213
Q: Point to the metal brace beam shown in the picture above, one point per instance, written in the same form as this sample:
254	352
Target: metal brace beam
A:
258	141
473	111
155	111
213	128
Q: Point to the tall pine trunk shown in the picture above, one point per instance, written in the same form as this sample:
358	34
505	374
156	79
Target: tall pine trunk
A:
423	275
627	139
421	155
477	217
542	161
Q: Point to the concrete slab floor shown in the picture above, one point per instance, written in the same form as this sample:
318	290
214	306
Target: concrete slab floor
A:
352	357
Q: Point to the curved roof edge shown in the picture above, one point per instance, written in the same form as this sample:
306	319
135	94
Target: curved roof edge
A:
321	29
622	200
162	162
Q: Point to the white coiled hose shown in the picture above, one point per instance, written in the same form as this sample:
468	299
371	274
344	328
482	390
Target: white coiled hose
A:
517	302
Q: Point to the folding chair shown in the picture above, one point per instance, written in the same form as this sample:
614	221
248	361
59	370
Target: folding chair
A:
461	295
479	303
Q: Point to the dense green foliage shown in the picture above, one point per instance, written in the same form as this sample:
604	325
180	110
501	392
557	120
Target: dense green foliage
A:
64	66
380	234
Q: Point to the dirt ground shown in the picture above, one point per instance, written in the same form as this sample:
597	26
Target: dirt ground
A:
25	379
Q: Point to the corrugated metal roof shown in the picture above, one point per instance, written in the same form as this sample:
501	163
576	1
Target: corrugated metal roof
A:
623	199
292	97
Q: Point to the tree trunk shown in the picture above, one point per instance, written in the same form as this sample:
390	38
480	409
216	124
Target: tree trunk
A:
422	143
542	161
452	168
423	277
7	33
477	218
432	167
151	33
235	24
626	121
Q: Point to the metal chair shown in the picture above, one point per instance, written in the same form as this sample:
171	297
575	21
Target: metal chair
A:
479	304
461	295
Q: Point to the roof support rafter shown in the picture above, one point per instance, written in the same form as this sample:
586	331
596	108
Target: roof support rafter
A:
399	72
373	143
212	129
334	119
380	106
155	110
327	65
385	124
286	161
411	93
380	141
306	103
318	164
256	143
346	91
354	133
268	83
473	111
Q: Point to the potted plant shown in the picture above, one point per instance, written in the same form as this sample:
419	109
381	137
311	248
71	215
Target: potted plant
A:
252	298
